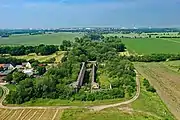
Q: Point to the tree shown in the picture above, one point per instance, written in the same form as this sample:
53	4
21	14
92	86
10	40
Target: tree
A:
9	78
41	70
65	45
19	76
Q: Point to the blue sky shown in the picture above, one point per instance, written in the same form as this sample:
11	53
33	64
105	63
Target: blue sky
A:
89	13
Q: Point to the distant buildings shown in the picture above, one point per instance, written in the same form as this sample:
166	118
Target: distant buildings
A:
6	69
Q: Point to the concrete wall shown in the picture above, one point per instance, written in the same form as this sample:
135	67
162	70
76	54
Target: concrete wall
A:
81	75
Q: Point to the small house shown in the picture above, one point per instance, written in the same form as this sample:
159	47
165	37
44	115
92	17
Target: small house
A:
7	67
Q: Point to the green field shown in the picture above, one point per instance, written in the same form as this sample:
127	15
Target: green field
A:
55	38
58	102
152	45
108	114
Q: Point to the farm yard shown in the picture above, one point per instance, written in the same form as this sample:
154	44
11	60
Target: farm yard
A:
54	38
30	114
166	81
152	45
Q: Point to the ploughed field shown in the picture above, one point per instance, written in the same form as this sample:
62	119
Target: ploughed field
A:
166	81
152	45
54	38
30	114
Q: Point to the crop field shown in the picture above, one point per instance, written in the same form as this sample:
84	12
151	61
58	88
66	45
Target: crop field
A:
30	114
151	103
152	45
165	81
55	38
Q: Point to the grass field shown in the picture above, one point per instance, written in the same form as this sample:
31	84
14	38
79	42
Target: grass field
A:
152	45
108	114
57	102
30	114
166	82
55	38
58	56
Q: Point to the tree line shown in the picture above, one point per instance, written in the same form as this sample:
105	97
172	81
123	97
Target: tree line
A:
153	57
10	60
25	50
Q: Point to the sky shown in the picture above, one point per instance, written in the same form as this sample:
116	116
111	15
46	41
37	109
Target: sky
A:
89	13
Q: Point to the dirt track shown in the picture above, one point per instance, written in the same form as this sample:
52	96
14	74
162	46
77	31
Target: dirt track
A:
166	82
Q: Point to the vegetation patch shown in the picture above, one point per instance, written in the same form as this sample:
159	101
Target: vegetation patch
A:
108	114
60	82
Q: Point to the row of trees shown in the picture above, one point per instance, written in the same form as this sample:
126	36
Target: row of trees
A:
153	57
167	36
25	50
13	61
148	86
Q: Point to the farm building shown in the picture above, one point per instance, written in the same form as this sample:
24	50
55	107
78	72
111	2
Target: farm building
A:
7	67
29	72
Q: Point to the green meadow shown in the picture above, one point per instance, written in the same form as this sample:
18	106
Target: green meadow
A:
152	45
54	38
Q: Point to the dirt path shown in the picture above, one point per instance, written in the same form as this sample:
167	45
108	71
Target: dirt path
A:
95	108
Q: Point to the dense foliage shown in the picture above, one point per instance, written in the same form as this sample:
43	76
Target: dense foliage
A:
25	50
13	61
57	83
148	86
153	57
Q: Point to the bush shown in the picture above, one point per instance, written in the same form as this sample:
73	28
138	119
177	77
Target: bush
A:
148	86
